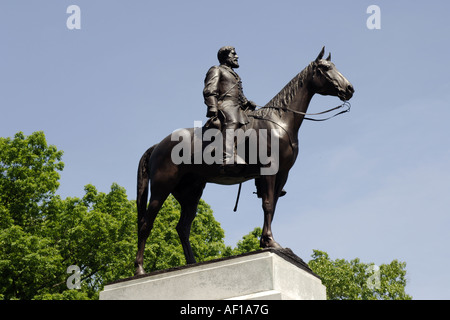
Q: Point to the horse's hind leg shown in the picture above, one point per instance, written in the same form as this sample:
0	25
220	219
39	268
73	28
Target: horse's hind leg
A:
188	195
145	224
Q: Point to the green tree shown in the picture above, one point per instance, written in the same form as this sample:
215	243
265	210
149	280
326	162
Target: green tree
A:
28	178
28	263
41	235
354	280
95	233
249	243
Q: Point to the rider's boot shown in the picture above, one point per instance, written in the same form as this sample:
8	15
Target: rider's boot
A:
232	162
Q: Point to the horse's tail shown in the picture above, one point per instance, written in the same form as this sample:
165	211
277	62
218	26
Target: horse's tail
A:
143	182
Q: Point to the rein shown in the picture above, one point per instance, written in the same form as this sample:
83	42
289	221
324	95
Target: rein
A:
346	104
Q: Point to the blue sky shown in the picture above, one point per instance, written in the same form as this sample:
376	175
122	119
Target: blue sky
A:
371	184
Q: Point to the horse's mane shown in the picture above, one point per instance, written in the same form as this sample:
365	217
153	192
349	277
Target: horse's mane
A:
284	98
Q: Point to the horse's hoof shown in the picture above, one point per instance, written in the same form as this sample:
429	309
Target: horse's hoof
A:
268	242
139	271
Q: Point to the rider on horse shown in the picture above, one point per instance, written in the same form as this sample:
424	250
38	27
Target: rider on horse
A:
225	99
224	96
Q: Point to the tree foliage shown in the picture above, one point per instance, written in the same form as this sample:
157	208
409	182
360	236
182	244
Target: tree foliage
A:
41	235
28	178
355	280
249	243
97	235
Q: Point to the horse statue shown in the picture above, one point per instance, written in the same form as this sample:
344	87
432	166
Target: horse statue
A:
280	118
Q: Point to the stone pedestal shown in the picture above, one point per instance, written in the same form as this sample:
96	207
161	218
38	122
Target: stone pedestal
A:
261	275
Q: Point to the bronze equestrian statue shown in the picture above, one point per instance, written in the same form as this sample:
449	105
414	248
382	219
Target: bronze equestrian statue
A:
281	118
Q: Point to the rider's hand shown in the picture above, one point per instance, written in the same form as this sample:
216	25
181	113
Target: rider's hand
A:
211	113
251	105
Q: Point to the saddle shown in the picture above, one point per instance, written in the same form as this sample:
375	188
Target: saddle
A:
215	123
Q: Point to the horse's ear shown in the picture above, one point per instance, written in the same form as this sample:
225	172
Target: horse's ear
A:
320	56
329	57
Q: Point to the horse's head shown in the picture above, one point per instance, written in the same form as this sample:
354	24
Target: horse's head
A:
327	80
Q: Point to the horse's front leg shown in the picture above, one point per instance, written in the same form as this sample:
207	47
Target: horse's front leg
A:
269	197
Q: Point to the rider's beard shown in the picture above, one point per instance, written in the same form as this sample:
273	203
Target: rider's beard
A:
233	63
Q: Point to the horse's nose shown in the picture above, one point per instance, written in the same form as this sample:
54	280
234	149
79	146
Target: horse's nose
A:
350	88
